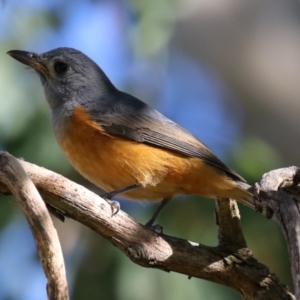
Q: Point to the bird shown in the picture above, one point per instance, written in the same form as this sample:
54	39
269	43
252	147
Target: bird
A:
120	143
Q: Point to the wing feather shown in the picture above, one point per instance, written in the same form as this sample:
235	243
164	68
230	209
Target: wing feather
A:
161	132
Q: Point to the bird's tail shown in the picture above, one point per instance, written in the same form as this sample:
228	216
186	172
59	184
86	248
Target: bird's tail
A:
246	196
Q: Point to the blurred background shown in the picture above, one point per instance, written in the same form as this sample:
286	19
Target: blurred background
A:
227	70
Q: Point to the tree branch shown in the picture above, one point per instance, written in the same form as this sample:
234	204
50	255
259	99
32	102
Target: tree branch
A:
14	177
231	266
277	193
228	221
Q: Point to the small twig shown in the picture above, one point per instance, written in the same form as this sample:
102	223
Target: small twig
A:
228	221
14	177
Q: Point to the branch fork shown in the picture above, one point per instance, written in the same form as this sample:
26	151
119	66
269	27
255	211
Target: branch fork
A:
230	263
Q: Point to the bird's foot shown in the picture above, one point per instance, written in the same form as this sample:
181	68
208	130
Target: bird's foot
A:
115	206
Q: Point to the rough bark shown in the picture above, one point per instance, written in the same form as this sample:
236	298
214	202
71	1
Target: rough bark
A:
19	184
231	263
278	194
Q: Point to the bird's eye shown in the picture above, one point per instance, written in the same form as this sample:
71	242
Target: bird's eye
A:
60	67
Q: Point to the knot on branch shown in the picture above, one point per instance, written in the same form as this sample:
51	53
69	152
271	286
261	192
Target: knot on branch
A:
268	283
140	254
261	205
242	256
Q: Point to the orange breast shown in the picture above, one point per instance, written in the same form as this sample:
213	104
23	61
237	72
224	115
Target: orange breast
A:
112	163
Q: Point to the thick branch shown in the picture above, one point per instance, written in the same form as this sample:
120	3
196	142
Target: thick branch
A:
237	269
231	240
277	193
37	215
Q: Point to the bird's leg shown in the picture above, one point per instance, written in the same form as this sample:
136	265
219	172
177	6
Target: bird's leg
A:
120	191
161	206
115	205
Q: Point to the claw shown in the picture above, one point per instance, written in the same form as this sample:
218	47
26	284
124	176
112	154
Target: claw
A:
115	206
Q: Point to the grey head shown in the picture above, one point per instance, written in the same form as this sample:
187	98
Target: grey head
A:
68	76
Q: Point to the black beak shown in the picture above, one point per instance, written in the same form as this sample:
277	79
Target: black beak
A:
28	58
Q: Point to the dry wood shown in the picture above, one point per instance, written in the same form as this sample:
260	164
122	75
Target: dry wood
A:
278	194
231	263
15	178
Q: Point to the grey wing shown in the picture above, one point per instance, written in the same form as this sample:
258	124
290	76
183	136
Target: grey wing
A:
157	130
